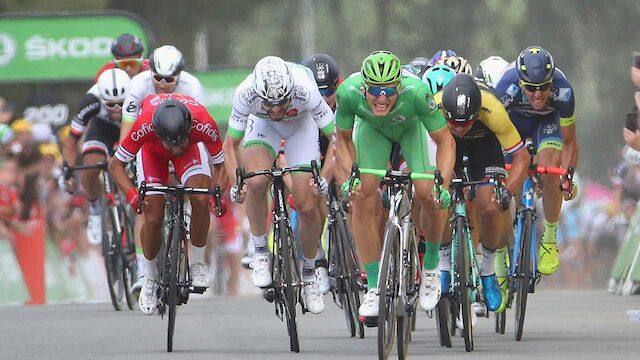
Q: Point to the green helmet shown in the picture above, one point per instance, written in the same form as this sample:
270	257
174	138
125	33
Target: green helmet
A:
381	67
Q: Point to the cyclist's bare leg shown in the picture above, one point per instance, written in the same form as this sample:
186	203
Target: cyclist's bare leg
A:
90	179
199	210
432	219
308	214
365	229
257	158
551	194
151	232
490	225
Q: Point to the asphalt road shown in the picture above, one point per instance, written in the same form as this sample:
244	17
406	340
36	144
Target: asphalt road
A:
560	324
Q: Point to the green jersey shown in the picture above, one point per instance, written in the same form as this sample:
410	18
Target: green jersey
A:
414	111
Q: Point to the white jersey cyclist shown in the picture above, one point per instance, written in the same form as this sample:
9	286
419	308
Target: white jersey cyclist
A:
306	113
141	86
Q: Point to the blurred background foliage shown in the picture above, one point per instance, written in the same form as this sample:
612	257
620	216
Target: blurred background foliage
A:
592	41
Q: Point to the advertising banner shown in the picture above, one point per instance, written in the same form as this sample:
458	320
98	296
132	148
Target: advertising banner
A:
60	47
218	87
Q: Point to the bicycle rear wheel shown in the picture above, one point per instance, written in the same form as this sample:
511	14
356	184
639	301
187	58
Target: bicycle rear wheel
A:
388	287
340	273
172	296
412	283
112	252
524	273
291	283
463	266
352	266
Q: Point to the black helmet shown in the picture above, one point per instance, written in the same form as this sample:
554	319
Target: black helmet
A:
126	45
535	65
461	99
172	121
324	69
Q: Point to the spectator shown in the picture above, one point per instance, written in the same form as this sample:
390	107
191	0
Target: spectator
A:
6	111
632	138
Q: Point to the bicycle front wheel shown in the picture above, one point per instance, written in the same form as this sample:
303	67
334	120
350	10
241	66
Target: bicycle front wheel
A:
112	252
129	260
409	272
291	283
523	273
388	288
463	282
443	320
172	298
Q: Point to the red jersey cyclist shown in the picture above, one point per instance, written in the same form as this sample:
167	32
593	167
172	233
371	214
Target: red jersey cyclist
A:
176	128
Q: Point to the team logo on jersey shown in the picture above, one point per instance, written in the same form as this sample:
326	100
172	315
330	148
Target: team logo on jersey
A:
398	119
550	129
562	94
206	129
292	112
145	129
431	103
301	94
248	96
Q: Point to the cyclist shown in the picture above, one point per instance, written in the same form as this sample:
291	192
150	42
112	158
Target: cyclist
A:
171	128
127	52
437	77
482	128
540	102
418	66
490	70
440	54
327	76
387	107
458	64
279	100
102	133
165	76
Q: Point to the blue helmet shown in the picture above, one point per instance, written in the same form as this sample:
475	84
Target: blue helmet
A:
438	77
535	65
441	54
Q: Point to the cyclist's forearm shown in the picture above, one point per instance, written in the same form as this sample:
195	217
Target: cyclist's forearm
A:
70	149
570	147
345	155
519	167
231	157
445	159
220	176
125	126
119	175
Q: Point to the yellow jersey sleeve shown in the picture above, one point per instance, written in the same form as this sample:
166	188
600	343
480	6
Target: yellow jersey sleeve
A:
493	114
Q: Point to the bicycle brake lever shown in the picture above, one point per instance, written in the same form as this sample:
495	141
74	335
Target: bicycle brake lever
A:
216	197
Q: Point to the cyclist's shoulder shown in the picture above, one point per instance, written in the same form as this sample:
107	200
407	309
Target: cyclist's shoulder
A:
350	88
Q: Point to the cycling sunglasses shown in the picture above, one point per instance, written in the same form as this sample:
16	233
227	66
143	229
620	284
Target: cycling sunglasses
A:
113	105
328	91
378	91
530	87
267	104
167	79
128	62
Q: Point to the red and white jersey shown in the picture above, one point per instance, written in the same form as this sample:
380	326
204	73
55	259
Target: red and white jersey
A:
204	129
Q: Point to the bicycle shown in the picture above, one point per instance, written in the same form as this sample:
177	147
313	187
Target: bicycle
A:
118	247
344	271
465	277
174	282
399	279
286	284
522	273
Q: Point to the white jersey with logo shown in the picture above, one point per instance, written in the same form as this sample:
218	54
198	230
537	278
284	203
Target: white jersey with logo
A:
142	85
305	101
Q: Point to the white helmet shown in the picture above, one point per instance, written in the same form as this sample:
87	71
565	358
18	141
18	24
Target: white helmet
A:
459	64
272	79
490	69
112	85
166	61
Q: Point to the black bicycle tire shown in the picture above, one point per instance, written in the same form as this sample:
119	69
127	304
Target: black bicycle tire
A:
288	263
524	270
341	275
387	319
351	274
352	263
129	261
443	321
462	261
172	286
405	323
112	259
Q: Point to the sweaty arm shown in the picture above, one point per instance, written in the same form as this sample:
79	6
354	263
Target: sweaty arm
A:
434	121
345	152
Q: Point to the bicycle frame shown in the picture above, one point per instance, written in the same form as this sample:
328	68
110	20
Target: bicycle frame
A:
527	204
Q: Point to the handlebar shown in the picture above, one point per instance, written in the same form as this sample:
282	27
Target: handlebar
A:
276	172
394	176
179	190
67	171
